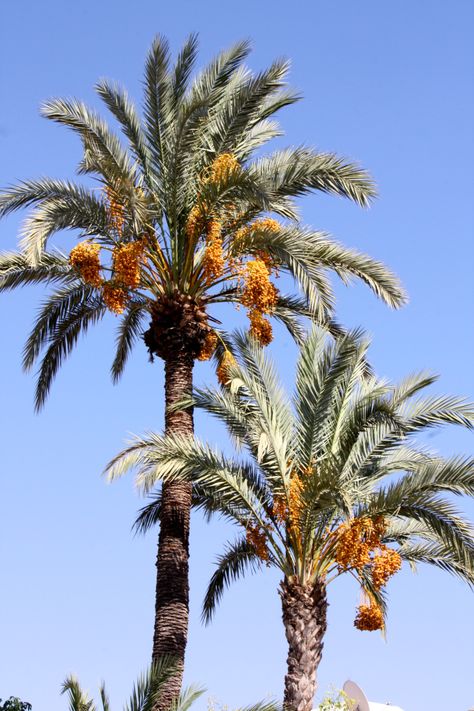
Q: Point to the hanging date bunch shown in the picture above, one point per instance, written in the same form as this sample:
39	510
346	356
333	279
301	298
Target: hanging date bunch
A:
223	369
360	548
288	509
228	251
209	346
260	296
369	617
257	539
115	210
85	258
213	262
115	297
127	260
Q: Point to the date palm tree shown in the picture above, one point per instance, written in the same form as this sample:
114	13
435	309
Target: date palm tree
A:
331	484
178	219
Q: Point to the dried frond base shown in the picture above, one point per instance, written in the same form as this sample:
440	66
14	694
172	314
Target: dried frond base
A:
179	324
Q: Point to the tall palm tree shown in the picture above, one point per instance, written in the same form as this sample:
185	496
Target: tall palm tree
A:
333	483
182	218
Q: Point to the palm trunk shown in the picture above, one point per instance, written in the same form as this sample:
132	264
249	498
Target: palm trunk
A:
304	618
172	584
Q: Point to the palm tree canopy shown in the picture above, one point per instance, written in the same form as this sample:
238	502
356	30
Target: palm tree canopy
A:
182	214
146	693
331	482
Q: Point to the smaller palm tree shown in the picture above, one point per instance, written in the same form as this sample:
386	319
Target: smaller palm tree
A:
331	485
146	693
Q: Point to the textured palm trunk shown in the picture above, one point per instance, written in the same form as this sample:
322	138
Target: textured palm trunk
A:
172	584
304	618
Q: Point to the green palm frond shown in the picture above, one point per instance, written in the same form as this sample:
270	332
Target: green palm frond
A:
440	556
62	340
146	691
262	706
119	104
439	409
78	699
297	171
53	312
103	151
128	332
187	698
145	694
16	270
104	698
237	559
149	515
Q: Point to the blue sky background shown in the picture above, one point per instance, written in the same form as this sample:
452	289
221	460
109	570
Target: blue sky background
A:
388	84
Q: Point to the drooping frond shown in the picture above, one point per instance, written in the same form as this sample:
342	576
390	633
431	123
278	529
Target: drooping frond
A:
237	486
128	332
53	312
237	559
62	341
149	515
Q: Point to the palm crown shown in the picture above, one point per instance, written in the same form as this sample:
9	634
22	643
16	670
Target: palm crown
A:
333	484
329	482
146	693
182	217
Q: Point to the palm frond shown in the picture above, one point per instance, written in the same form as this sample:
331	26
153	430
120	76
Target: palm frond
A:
237	559
438	555
157	101
103	151
146	691
53	312
128	332
84	212
187	698
16	270
104	698
78	699
62	341
119	103
425	413
297	171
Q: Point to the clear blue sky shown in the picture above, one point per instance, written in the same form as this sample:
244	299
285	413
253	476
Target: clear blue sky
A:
386	83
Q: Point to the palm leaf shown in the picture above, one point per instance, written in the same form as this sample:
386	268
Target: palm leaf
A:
237	559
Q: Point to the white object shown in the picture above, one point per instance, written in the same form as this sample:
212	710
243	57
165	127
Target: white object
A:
360	702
